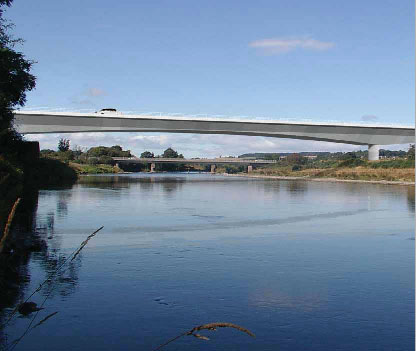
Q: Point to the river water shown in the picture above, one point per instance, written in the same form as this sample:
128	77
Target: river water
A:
303	265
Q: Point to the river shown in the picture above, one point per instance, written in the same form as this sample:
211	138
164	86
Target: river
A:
303	265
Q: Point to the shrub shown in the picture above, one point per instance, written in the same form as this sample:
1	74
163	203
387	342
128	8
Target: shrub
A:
106	160
93	161
352	162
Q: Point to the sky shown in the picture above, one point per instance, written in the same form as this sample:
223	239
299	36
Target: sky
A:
321	60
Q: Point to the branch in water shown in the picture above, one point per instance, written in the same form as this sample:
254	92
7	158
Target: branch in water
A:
209	326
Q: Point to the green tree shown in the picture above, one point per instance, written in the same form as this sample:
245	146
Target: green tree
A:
63	145
147	154
170	153
108	160
15	81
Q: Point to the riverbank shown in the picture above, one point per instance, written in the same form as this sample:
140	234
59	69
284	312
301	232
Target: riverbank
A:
321	179
83	169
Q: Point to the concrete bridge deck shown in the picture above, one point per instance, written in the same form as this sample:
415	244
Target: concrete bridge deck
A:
32	122
218	161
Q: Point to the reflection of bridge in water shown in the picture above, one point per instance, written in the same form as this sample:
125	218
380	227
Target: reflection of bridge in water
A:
213	162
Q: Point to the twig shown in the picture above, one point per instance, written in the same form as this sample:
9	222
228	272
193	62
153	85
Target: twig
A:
45	319
8	224
209	326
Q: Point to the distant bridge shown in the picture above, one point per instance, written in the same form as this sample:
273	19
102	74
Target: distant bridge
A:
33	122
213	161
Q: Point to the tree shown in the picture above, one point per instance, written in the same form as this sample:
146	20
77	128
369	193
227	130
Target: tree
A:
147	154
63	145
411	152
15	81
296	159
170	153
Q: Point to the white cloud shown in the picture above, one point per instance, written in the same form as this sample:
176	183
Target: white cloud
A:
191	145
284	45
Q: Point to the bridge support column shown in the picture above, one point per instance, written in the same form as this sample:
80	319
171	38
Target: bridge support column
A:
213	167
373	152
152	167
249	168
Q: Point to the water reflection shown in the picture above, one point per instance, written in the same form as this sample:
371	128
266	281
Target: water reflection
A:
411	198
32	240
62	203
184	248
168	183
297	187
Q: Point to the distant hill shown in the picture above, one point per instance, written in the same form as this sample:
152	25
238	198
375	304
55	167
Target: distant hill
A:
271	155
325	154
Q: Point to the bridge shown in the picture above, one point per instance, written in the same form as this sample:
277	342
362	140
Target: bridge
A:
213	162
372	135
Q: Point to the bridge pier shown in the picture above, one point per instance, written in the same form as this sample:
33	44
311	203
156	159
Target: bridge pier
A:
249	168
213	168
152	167
373	152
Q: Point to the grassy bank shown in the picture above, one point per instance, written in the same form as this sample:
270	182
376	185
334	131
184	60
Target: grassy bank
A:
94	169
391	170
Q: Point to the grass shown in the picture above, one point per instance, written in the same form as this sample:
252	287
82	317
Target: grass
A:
93	169
356	169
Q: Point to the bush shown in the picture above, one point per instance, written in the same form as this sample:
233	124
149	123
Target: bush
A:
93	161
400	163
65	156
352	162
107	160
296	168
50	172
230	169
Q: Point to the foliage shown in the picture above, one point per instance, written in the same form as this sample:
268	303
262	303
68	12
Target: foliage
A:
352	162
147	154
170	153
113	151
106	160
411	152
398	163
15	81
296	159
232	169
296	168
93	161
66	156
47	172
93	169
63	144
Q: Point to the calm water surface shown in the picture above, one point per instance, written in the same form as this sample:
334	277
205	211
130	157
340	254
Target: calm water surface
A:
303	265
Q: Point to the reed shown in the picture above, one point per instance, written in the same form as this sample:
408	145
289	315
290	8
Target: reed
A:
8	224
209	326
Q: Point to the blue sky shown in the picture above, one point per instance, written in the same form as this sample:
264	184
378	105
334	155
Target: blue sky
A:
322	60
